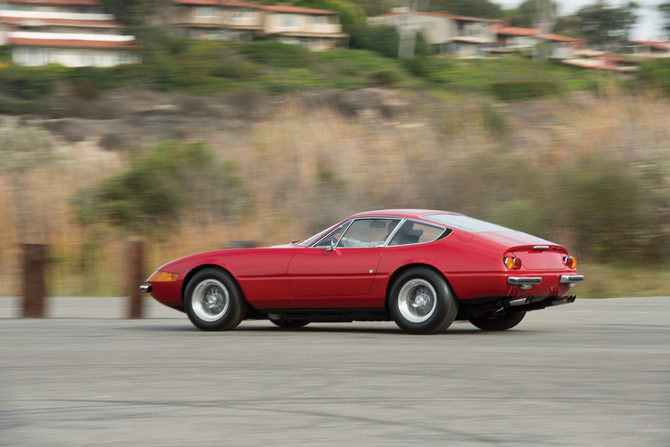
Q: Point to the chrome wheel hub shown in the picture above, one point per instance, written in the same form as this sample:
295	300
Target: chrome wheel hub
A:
210	300
417	300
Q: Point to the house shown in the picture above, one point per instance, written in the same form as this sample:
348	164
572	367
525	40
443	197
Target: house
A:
447	33
73	33
647	49
510	38
314	29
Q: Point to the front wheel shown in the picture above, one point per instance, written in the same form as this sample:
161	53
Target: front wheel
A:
213	301
421	302
500	323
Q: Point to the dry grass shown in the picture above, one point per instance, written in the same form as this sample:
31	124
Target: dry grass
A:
308	169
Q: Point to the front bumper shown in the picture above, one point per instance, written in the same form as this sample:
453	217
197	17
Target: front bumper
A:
146	288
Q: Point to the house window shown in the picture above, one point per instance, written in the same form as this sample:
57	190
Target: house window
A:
205	11
126	57
38	56
87	58
319	20
289	21
243	14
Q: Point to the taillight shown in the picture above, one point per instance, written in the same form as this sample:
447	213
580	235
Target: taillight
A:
512	263
571	262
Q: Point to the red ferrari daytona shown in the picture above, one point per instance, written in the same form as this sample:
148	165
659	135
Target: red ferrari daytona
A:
422	269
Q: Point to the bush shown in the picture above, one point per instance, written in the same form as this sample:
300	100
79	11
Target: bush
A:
277	53
522	90
28	82
160	185
99	78
657	73
607	206
382	39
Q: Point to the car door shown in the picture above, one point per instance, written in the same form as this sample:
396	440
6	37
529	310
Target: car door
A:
343	263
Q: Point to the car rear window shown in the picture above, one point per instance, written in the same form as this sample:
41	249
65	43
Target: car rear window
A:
464	223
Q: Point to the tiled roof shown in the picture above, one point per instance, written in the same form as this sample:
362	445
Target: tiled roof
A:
653	44
232	3
57	2
295	9
279	7
514	31
558	38
20	41
86	23
438	14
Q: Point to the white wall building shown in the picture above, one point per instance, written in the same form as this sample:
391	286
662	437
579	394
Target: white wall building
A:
448	33
73	33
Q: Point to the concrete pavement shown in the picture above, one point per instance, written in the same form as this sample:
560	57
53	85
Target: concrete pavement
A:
596	372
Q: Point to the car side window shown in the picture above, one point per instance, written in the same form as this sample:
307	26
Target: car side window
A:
368	233
415	233
333	235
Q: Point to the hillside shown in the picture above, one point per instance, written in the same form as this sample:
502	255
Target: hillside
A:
191	173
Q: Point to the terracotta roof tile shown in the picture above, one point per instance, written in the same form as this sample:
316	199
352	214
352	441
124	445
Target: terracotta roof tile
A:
438	14
87	23
57	2
514	31
71	43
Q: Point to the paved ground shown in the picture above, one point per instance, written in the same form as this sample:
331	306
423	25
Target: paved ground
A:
595	373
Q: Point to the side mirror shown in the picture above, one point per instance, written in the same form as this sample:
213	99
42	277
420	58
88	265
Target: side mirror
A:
332	245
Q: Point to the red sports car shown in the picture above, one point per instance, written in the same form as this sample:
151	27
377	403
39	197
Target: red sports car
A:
422	269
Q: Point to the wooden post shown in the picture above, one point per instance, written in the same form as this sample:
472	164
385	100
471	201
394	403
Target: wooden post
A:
34	289
135	278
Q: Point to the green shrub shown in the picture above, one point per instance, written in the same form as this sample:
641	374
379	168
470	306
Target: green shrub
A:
161	185
99	78
28	82
657	74
522	90
382	39
607	206
277	53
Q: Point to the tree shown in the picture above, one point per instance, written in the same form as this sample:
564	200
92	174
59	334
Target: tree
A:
531	11
351	14
665	11
471	8
605	26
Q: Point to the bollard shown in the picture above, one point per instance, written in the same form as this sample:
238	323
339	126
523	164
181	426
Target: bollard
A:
135	278
34	260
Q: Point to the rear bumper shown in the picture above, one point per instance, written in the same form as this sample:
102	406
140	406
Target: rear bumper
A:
571	279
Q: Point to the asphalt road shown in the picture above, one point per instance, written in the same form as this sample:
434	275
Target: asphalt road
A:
596	373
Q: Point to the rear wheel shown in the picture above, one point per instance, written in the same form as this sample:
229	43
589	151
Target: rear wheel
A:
213	301
289	323
421	302
500	323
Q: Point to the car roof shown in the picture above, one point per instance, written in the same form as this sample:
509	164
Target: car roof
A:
406	213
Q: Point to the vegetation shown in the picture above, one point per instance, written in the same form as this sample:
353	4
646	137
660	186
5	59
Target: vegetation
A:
159	186
590	174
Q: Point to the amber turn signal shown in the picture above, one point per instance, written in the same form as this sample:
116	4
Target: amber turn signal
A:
571	262
512	263
159	276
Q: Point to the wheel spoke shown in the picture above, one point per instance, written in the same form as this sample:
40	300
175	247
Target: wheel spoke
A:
210	300
417	300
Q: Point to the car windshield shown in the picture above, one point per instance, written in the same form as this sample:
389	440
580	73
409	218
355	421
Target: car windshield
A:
464	223
316	237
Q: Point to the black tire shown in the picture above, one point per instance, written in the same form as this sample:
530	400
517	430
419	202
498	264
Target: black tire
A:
421	302
214	301
289	323
501	323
